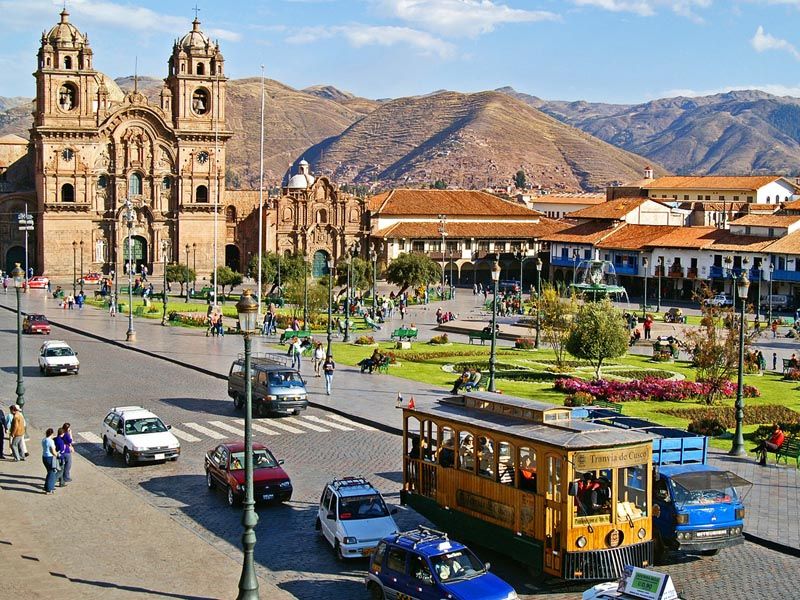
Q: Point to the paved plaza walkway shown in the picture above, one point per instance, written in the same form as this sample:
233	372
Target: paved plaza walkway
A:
772	504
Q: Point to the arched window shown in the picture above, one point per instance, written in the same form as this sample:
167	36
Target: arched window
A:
322	216
67	193
183	68
102	182
135	185
68	62
200	101
230	214
201	194
166	183
201	69
767	199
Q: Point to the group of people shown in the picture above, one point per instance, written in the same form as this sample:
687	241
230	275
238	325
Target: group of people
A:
372	362
593	495
468	380
323	362
70	302
444	316
754	359
214	321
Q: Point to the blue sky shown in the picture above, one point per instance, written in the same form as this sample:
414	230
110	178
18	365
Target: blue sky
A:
621	51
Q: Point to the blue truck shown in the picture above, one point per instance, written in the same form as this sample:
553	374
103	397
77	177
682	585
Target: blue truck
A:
697	508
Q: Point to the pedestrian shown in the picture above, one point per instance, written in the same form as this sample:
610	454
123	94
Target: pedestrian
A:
66	435
648	325
774	361
3	429
265	325
49	289
144	272
50	461
402	311
17	433
112	305
762	362
774	327
328	367
295	352
5	284
319	357
59	442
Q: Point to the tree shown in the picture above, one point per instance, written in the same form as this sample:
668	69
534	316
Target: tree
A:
228	277
714	346
519	179
317	297
439	184
360	274
598	333
291	269
555	318
178	273
412	269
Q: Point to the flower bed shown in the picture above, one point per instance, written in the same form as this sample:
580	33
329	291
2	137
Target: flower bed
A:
726	415
439	339
658	390
365	340
792	375
639	373
524	344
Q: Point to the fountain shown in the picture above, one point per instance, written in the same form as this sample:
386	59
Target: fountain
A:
597	279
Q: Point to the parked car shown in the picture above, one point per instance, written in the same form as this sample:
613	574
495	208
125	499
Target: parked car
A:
353	517
38	283
225	469
36	324
719	300
139	435
779	301
57	357
276	388
92	278
424	563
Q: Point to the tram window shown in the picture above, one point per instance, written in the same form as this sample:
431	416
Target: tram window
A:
632	493
554	478
466	451
485	456
429	441
505	463
527	469
446	453
412	439
593	496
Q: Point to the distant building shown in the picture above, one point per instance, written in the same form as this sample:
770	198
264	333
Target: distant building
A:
558	206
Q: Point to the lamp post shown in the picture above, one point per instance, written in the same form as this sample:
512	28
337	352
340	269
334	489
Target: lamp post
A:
247	309
769	298
758	299
373	255
728	272
25	223
451	287
538	299
130	335
660	273
330	302
492	354
645	264
305	293
352	252
738	448
443	233
81	271
186	279
574	265
19	279
74	268
194	268
116	265
521	256
164	249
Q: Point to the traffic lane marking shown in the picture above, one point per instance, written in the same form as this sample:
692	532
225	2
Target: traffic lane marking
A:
90	437
256	427
327	423
186	437
342	419
214	435
225	427
299	423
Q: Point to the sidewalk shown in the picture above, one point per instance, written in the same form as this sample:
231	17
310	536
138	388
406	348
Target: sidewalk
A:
772	505
95	538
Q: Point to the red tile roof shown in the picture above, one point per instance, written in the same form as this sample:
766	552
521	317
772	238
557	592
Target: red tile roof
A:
789	244
453	203
725	240
767	220
712	182
635	237
569	199
613	209
686	237
482	230
586	233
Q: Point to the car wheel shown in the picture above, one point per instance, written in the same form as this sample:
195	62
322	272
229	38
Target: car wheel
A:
126	456
296	412
710	552
318	526
338	550
238	402
263	411
376	592
108	447
231	497
41	369
209	480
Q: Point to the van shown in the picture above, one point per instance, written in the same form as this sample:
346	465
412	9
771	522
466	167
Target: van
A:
277	389
779	301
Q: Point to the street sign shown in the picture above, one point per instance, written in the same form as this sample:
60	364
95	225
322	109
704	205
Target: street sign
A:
25	221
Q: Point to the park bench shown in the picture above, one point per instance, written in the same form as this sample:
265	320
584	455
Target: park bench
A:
787	365
402	333
789	449
276	300
383	367
372	324
291	333
480	335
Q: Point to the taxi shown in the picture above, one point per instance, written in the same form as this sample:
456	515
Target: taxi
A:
424	564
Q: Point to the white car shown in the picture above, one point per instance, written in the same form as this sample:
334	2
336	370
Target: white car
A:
139	435
58	357
353	517
720	300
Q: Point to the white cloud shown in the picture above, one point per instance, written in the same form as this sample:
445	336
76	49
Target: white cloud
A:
359	35
458	18
648	8
763	42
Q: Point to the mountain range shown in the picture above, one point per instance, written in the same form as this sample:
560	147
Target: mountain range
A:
480	139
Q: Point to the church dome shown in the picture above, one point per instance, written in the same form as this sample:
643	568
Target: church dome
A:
195	39
303	179
65	33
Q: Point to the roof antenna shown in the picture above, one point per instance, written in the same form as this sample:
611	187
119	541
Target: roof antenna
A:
136	74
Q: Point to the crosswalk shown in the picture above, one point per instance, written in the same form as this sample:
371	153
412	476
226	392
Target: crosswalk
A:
218	429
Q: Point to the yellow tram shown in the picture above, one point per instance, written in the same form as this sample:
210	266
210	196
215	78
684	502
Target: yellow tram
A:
565	497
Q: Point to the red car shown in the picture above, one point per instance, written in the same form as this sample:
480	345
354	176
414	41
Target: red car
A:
36	324
225	469
38	283
92	278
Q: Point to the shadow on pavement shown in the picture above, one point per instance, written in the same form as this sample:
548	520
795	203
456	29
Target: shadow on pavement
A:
204	405
26	371
395	476
325	588
128	588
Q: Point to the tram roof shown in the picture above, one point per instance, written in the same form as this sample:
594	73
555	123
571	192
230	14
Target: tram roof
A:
570	434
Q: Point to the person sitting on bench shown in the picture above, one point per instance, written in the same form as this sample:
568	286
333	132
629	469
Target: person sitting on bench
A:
460	382
772	444
474	380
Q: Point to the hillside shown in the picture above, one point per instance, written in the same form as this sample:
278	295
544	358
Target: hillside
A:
360	105
736	133
470	140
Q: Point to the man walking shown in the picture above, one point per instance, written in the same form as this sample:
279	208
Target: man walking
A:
296	351
3	429
328	367
17	433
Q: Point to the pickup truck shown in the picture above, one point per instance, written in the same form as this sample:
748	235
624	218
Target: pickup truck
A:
697	508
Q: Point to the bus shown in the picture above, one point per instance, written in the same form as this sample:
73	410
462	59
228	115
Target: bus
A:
567	498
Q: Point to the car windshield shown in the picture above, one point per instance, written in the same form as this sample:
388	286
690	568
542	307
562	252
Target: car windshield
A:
59	352
461	564
286	379
261	460
369	506
37	318
146	425
712	487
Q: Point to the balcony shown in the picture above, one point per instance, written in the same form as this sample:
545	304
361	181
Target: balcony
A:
676	272
564	261
692	274
659	271
626	269
783	275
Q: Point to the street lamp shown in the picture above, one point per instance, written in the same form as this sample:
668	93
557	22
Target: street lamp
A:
492	356
574	265
352	252
81	279
443	233
538	299
373	255
758	298
645	264
728	272
19	279
769	299
186	279
660	273
305	293
247	309
329	264
131	333
521	256
164	249
74	267
194	269
738	448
